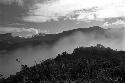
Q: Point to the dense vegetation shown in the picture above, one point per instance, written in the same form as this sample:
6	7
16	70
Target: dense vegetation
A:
85	65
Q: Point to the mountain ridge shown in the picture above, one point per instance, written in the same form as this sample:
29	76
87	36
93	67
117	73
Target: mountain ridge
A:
8	42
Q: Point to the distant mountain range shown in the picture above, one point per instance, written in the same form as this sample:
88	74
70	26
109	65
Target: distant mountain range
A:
9	42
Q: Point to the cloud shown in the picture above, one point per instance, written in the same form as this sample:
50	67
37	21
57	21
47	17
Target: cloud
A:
89	10
116	24
19	31
9	29
10	12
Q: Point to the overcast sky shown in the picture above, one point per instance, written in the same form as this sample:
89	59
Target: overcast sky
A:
52	16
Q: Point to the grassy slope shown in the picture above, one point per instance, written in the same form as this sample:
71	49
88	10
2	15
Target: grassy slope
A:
85	65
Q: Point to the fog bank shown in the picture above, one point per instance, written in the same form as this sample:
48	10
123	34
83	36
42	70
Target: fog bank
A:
30	55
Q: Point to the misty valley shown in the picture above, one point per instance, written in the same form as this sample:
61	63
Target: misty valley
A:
62	41
17	51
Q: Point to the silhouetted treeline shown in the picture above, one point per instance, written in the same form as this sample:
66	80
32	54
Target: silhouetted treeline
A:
85	65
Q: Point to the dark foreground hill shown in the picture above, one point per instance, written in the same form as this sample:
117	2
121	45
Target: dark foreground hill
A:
85	65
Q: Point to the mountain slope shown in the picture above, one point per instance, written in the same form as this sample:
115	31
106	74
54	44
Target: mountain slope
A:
8	42
85	65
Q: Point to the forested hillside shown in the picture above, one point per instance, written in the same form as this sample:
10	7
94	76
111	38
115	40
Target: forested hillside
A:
85	65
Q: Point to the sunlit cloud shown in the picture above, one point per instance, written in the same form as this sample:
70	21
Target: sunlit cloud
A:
24	32
118	23
11	29
80	10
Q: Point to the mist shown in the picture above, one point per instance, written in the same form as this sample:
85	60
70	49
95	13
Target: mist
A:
32	55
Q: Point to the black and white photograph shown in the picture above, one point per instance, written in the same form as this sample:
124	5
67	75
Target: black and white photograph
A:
62	41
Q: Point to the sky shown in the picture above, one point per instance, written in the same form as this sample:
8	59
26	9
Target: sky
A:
53	16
